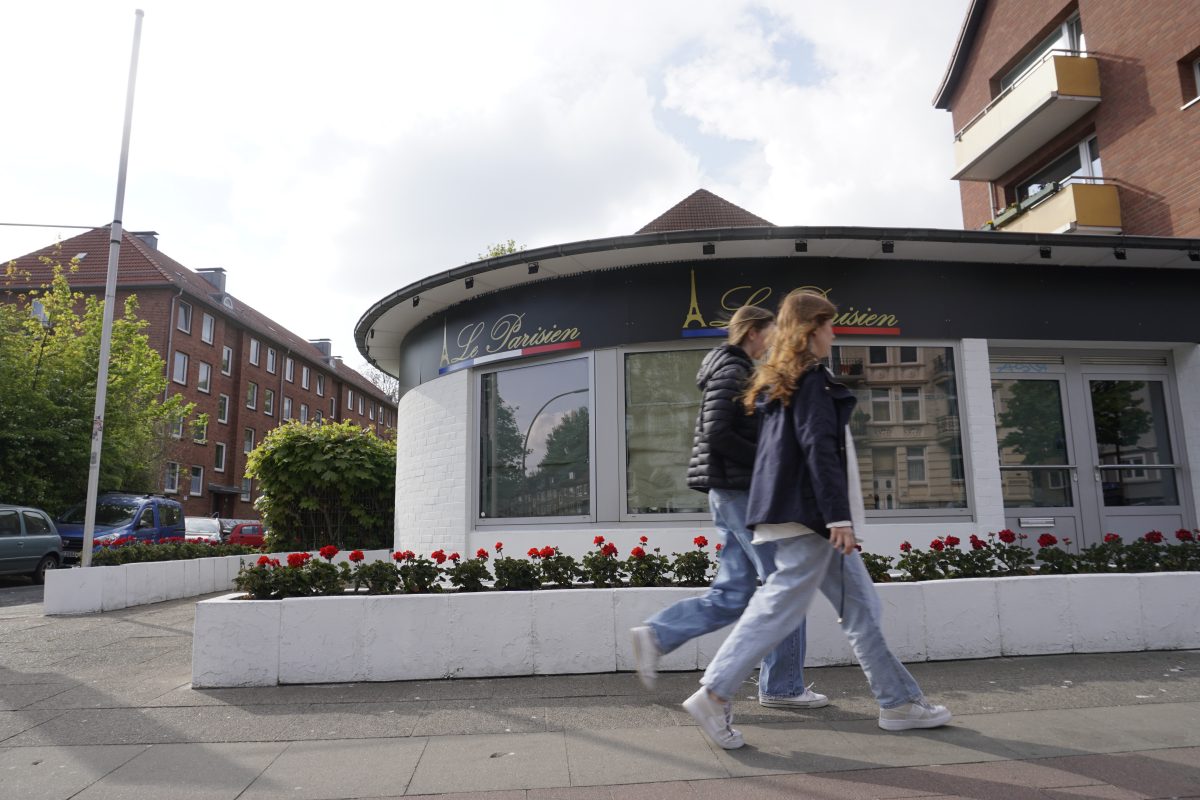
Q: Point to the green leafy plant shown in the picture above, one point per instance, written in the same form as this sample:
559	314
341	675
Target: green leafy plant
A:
692	567
557	568
379	577
877	566
468	575
515	574
130	551
419	575
647	567
601	567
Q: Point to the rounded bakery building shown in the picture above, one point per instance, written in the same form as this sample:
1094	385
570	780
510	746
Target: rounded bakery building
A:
1037	382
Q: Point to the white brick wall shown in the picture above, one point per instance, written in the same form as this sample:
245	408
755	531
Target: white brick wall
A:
431	465
1187	376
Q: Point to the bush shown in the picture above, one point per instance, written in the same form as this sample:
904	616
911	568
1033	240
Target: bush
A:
513	574
692	568
469	575
647	568
558	569
601	566
129	551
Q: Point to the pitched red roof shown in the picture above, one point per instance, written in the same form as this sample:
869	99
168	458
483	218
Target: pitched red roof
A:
703	209
141	265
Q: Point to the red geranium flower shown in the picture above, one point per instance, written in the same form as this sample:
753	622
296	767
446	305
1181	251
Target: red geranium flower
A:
1066	540
546	552
481	554
609	549
297	559
1022	536
455	557
598	540
700	541
1154	537
643	539
328	552
264	561
356	556
534	553
1184	535
439	556
905	547
937	544
720	547
1007	536
952	541
1109	538
1047	540
637	552
499	547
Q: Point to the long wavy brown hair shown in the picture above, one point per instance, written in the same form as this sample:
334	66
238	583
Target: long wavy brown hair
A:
800	313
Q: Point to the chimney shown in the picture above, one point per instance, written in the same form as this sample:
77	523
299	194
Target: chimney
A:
149	238
325	346
215	276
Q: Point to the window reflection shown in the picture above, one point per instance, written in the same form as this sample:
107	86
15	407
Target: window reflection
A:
535	441
1033	443
1129	419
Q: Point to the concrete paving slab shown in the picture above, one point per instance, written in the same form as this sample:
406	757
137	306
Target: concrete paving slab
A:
599	757
1094	793
491	762
576	713
1041	734
507	794
186	772
1010	774
460	717
57	773
14	723
868	745
117	691
160	726
337	769
17	696
1159	773
797	746
837	786
1164	725
676	790
570	793
355	721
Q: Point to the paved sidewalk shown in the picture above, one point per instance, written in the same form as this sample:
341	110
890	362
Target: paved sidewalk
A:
101	707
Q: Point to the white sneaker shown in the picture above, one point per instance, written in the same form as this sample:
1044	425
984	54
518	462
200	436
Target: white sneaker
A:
809	699
921	714
715	719
645	654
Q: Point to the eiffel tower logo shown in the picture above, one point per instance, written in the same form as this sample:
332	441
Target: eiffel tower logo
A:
445	355
693	314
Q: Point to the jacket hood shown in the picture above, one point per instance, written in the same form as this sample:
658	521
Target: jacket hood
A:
717	358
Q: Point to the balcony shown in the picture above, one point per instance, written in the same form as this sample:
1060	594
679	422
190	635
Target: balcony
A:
1069	208
1043	103
949	426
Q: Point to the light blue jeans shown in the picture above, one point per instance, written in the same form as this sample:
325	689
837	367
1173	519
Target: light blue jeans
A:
805	564
741	565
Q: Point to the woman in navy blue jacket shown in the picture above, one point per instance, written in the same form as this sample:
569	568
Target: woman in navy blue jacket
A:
806	499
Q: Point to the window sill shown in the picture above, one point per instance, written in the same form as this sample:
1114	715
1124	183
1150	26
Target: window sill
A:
1190	103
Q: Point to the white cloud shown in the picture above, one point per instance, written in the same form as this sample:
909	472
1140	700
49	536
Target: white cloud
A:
327	155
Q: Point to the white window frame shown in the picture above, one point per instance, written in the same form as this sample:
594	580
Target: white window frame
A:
203	377
269	402
289	369
251	395
196	481
320	385
255	351
247	490
1069	32
887	402
286	408
183	317
199	433
180	365
223	408
909	460
304	413
171	479
317	416
226	360
247	440
360	404
304	377
371	411
208	327
920	402
177	428
350	399
271	358
219	457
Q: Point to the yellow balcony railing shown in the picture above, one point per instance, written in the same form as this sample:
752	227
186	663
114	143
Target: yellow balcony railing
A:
1074	207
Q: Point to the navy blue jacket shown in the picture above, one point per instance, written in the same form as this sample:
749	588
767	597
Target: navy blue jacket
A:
800	467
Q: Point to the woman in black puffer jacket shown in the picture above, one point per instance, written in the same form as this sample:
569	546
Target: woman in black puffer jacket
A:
721	465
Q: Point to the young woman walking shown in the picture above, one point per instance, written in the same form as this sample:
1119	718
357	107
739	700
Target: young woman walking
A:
805	481
722	459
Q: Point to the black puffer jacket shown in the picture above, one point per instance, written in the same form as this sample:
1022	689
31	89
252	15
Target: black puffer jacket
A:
724	443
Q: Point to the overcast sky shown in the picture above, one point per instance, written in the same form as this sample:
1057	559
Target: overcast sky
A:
327	154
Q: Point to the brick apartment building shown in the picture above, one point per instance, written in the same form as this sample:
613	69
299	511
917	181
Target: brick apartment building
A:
1078	116
247	372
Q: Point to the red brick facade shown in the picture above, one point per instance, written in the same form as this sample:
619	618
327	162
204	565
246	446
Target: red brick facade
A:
162	286
1149	143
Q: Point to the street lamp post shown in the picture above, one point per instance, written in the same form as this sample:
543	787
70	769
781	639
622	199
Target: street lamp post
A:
529	430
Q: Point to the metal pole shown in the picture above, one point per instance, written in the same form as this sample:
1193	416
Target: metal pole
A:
110	300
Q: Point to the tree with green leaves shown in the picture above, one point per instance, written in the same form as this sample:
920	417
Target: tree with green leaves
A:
325	483
49	353
501	249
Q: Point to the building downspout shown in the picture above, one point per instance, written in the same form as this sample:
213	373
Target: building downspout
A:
169	358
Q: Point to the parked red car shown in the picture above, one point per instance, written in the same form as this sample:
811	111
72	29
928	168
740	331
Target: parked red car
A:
249	534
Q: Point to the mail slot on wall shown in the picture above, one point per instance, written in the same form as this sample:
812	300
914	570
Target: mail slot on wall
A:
1036	522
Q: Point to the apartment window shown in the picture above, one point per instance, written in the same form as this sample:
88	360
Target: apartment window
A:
371	411
289	369
1066	37
171	482
219	457
177	428
252	395
223	408
333	407
226	360
268	402
303	412
254	348
287	407
179	373
350	399
199	432
248	440
247	488
910	404
661	403
360	405
535	442
877	355
204	377
304	377
1079	164
320	385
271	360
317	416
207	326
915	458
183	317
197	487
908	355
881	405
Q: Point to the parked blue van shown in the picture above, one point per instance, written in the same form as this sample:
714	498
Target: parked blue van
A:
145	517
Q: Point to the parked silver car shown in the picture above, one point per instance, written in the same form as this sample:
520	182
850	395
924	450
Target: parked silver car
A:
29	542
207	529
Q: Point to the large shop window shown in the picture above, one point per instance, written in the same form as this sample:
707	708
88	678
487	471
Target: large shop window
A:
661	404
535	441
906	427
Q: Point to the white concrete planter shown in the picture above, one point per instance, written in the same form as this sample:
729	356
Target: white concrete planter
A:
87	591
409	637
